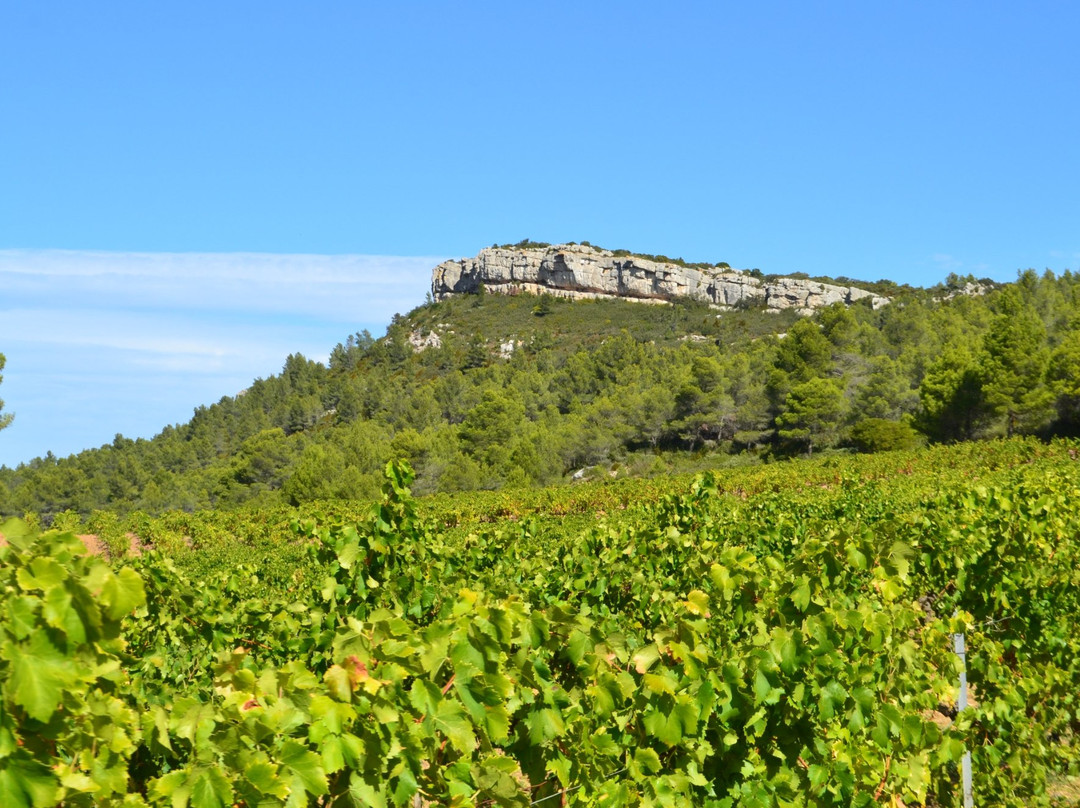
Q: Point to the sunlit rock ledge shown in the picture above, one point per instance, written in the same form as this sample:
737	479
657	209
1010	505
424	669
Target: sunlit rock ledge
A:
583	272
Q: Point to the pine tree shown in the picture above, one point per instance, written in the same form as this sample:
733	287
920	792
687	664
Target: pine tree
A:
953	398
1014	365
813	413
1063	375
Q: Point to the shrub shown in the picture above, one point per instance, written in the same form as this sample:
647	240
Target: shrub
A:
880	435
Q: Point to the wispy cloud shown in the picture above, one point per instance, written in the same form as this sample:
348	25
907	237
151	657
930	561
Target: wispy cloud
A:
99	343
946	262
1066	255
125	331
341	287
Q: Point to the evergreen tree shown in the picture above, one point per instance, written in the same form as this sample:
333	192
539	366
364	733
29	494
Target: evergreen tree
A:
813	413
887	393
804	352
490	429
952	398
1014	365
478	355
1063	377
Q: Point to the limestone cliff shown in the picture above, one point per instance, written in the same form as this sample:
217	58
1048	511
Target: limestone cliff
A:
578	271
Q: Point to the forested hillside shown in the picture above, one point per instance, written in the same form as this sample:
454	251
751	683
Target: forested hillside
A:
486	391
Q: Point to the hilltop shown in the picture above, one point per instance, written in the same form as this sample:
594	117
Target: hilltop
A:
478	390
585	272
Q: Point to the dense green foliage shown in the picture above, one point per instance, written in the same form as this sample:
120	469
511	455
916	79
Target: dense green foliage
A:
531	391
777	636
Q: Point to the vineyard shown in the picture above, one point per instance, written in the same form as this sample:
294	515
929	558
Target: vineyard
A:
775	636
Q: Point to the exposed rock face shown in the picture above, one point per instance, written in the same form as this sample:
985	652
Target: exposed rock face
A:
969	289
420	341
577	271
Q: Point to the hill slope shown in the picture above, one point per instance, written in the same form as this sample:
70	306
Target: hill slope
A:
487	391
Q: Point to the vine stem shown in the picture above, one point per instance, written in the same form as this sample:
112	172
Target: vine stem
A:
884	777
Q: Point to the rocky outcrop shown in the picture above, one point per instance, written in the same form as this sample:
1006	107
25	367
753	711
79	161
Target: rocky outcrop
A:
805	295
421	341
969	289
577	271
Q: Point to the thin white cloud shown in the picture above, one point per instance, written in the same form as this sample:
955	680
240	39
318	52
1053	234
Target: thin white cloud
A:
341	287
99	343
260	267
946	262
121	330
136	332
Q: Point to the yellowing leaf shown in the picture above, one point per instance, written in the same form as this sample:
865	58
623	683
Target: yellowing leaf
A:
263	775
648	760
43	574
645	657
659	683
697	603
338	683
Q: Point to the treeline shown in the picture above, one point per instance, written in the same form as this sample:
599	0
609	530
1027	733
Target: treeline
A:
521	391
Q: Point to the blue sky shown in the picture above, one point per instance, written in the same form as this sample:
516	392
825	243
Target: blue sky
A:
898	140
104	342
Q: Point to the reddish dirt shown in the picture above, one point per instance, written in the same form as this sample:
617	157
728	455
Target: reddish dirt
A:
95	546
135	545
